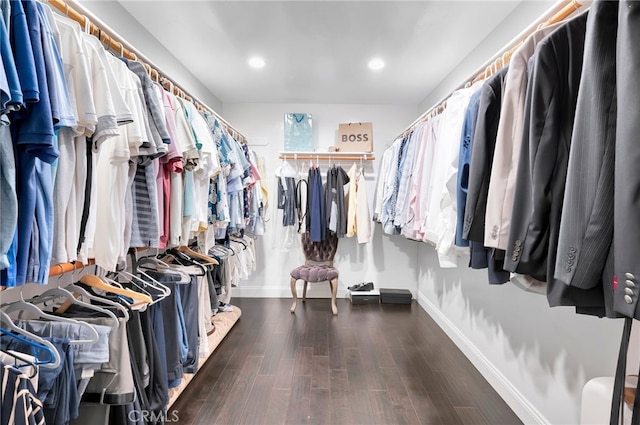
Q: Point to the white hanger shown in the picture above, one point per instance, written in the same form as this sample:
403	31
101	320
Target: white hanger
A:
185	277
61	292
22	305
83	292
6	320
153	283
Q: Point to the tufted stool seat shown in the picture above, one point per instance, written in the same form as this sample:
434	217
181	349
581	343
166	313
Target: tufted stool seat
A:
315	273
318	267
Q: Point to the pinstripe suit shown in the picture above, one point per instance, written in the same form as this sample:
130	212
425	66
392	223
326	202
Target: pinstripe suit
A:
586	227
549	122
626	238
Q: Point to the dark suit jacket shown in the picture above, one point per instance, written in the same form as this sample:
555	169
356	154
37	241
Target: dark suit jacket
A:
626	239
484	143
483	147
549	121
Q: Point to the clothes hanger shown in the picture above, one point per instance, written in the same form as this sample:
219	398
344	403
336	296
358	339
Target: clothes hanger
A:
162	265
22	305
86	294
153	283
97	283
183	257
209	261
31	339
52	293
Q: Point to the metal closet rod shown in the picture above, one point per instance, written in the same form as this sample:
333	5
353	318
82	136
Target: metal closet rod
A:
106	35
346	156
557	13
63	268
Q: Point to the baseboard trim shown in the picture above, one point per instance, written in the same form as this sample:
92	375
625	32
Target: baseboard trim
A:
521	406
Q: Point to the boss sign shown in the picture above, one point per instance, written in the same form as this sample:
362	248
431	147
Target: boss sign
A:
355	137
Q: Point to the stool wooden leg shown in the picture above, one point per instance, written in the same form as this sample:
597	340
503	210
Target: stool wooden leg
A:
304	291
294	293
334	293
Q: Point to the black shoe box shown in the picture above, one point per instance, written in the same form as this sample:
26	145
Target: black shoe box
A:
395	296
365	297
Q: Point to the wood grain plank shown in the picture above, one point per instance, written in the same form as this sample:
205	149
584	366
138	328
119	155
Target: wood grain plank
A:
232	410
320	372
424	407
303	365
470	416
258	400
446	412
404	410
369	360
383	353
320	406
284	374
217	399
382	408
338	390
336	358
359	407
273	354
299	411
276	412
357	377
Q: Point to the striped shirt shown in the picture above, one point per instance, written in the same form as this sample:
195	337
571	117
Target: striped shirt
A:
18	402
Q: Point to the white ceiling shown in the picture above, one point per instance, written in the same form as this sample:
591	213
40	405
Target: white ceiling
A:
317	51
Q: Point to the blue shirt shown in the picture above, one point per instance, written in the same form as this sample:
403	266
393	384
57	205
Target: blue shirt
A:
464	162
23	53
14	93
5	94
34	138
44	217
35	130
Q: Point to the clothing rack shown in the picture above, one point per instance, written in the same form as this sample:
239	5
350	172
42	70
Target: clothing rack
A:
347	156
557	13
111	39
63	268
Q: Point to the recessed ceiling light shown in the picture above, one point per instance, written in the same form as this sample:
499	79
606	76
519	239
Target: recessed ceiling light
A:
376	64
256	62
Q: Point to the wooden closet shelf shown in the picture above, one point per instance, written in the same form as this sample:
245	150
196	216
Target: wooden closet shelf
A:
347	156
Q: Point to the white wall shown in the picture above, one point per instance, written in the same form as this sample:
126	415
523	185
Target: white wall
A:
388	262
521	17
118	19
536	357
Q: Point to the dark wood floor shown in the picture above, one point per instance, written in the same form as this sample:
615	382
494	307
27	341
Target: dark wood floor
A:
371	364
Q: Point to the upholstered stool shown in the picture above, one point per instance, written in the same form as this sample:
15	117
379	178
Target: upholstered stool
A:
318	267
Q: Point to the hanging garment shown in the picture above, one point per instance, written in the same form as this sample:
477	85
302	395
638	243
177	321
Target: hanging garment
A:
464	159
484	140
287	200
401	213
316	211
352	204
508	142
336	211
440	226
363	217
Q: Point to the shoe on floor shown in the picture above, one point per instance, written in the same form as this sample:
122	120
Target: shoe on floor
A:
225	307
360	287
